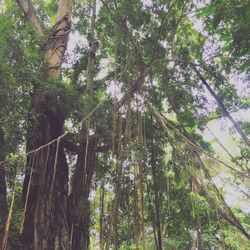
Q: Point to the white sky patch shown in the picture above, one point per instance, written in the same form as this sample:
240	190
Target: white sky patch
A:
114	89
221	128
75	39
104	68
241	84
148	3
233	195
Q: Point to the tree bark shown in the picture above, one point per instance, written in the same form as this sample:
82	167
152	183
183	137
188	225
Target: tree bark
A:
102	195
118	174
30	13
46	180
194	240
140	179
136	228
45	223
79	199
157	208
3	191
156	191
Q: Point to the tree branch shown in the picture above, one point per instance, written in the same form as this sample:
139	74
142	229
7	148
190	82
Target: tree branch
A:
64	9
30	13
223	108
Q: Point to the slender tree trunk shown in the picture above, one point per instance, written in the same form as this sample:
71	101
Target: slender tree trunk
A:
156	191
152	214
136	228
199	234
102	195
157	209
140	178
198	221
116	202
111	205
114	220
194	240
3	192
129	220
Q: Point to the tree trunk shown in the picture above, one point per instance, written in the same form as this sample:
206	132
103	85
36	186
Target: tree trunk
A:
140	178
46	186
156	192
102	195
46	181
152	215
3	192
136	228
118	174
199	233
79	203
157	208
194	240
116	202
79	199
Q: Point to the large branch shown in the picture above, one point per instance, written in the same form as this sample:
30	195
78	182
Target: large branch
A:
223	108
64	9
30	13
58	38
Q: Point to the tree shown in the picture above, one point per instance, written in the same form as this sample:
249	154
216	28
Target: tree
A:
110	133
45	183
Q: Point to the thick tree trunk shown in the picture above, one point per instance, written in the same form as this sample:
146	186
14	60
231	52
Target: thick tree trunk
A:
3	199
46	182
